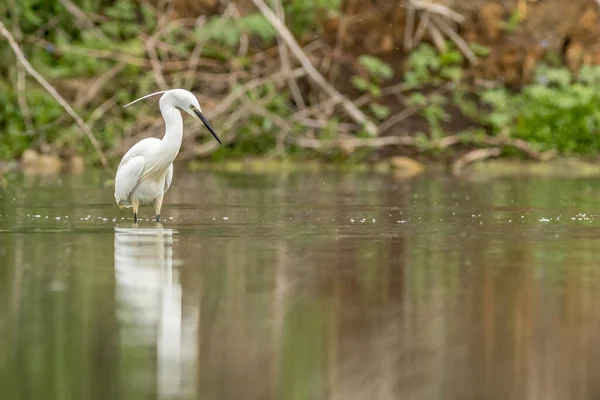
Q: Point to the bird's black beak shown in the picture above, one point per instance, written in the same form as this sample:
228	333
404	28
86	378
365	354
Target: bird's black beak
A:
207	124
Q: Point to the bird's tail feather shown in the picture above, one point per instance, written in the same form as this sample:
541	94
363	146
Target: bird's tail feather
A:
124	203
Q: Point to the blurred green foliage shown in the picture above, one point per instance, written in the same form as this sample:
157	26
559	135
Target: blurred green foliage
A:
556	112
45	25
121	27
376	72
560	110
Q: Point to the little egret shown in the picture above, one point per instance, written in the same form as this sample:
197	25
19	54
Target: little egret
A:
146	170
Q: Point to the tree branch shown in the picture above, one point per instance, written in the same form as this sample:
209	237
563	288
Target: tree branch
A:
353	111
472	156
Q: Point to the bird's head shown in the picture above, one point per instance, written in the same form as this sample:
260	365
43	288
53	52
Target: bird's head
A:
185	101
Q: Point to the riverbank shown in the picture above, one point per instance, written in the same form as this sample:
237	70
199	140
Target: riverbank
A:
400	166
445	81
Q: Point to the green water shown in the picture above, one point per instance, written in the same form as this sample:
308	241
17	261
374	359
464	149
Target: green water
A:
301	286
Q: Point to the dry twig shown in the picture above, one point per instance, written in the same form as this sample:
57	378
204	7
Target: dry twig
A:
408	29
344	21
311	71
21	84
455	37
472	156
437	37
195	56
424	19
101	110
225	103
433	19
159	77
88	95
177	65
437	9
22	97
356	142
81	18
286	65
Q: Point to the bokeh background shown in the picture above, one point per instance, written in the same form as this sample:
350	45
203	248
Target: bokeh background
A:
349	80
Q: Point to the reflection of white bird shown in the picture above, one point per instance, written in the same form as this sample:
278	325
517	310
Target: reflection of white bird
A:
146	170
149	295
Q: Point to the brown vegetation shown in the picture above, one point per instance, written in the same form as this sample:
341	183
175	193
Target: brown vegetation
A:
317	66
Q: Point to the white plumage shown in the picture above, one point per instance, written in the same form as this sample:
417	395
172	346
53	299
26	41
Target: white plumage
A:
146	170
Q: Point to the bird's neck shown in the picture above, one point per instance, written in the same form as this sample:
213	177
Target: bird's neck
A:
171	142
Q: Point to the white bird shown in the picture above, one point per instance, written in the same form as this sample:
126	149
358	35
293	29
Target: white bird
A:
146	170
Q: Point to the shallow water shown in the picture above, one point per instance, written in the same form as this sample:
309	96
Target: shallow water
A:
301	286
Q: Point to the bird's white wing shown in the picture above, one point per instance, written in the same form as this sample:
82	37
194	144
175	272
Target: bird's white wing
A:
168	178
128	176
141	148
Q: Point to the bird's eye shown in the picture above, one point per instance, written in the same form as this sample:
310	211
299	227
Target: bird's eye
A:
192	107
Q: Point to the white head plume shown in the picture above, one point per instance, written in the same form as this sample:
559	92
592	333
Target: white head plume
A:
144	97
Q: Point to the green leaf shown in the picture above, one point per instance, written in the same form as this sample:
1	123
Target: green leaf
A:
499	119
479	50
121	10
424	57
380	112
376	68
374	89
512	24
220	29
495	97
454	74
257	24
417	99
451	57
589	74
360	83
558	76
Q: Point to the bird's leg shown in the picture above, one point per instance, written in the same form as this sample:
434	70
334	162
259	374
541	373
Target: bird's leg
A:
157	206
135	204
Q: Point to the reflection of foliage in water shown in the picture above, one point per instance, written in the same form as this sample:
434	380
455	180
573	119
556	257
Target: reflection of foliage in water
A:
289	303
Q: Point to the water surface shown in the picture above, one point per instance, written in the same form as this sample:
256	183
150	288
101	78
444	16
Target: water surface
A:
301	285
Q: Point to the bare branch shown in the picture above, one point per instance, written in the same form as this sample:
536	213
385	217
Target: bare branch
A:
311	71
79	15
22	97
244	38
437	37
455	37
286	65
354	142
472	156
253	84
409	29
101	110
195	56
86	96
159	77
177	65
422	28
21	84
437	9
396	119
